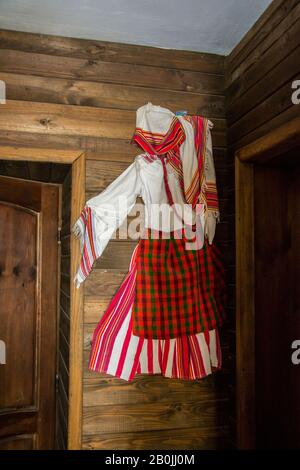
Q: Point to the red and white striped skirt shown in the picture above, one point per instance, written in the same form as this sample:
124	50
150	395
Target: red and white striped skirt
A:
116	351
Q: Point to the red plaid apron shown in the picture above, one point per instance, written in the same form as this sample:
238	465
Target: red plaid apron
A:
179	292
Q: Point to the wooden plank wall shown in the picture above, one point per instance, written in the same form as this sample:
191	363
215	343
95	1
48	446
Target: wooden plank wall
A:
82	94
259	73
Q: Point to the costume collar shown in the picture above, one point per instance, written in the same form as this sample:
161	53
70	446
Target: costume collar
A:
158	130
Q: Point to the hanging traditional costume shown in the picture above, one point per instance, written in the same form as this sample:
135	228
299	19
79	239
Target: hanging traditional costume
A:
165	316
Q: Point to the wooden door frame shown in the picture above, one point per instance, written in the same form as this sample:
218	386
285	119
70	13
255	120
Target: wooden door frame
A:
76	159
261	150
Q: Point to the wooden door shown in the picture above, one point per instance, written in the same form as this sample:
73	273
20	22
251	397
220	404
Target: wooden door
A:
28	312
277	314
267	294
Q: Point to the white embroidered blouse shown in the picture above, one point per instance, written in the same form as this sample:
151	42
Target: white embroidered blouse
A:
145	179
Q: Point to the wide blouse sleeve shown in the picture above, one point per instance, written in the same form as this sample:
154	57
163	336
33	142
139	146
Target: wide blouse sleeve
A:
102	215
212	213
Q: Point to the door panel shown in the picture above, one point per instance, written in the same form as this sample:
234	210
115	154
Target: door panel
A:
276	305
28	312
18	289
272	237
22	442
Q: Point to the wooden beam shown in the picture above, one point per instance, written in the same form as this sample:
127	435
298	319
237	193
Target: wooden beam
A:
91	50
107	95
156	416
76	314
73	120
272	144
245	309
59	119
38	154
71	68
177	439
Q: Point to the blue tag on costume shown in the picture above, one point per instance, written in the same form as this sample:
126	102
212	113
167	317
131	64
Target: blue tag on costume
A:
181	113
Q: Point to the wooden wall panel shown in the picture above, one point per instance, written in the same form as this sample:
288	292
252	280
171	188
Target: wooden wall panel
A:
106	95
43	65
152	416
94	51
76	94
259	74
188	439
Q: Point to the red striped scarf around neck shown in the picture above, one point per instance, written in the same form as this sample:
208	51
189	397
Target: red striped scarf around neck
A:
166	147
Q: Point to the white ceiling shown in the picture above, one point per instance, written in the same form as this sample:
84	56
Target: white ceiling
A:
198	25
